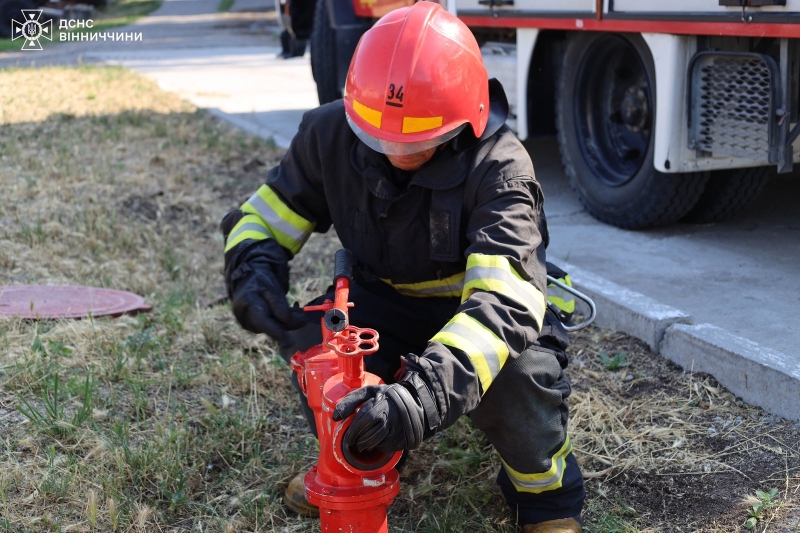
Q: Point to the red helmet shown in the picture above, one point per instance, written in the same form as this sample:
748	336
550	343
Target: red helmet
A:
415	81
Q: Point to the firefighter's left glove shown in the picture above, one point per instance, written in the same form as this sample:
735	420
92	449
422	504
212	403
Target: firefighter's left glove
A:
258	287
390	417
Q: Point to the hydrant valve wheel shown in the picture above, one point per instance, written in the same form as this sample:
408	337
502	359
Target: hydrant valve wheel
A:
353	342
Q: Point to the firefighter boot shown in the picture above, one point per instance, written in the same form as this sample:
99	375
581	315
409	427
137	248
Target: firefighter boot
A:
563	525
295	498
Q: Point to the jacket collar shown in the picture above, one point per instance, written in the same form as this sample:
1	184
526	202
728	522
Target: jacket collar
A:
446	169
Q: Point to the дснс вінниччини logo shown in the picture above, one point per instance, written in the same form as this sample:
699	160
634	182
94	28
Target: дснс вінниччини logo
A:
31	29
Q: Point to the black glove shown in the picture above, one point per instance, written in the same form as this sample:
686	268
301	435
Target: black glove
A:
258	285
392	418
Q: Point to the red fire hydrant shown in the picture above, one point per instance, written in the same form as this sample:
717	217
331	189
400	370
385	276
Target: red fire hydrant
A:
352	489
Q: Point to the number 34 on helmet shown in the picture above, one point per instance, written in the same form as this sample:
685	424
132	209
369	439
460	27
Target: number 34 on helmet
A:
416	81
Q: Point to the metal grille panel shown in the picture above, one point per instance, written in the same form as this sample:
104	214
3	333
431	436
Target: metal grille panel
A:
732	104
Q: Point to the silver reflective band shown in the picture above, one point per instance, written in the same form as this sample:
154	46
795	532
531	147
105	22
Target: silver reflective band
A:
485	272
250	226
485	349
398	148
543	483
549	480
273	219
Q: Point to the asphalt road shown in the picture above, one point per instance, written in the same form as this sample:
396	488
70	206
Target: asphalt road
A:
742	275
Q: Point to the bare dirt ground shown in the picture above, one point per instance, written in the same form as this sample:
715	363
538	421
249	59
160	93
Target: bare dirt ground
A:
177	420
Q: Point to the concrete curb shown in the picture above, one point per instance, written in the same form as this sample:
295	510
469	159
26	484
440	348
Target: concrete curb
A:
625	310
758	375
250	127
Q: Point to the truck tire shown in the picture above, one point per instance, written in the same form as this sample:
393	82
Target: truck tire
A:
728	192
9	10
324	65
605	117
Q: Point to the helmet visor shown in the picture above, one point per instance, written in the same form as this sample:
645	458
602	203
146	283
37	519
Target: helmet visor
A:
399	148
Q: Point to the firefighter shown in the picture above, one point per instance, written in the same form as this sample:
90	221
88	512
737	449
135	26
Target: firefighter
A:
437	199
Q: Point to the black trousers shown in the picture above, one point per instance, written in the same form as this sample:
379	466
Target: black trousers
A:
523	414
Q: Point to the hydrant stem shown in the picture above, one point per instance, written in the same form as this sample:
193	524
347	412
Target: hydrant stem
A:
353	368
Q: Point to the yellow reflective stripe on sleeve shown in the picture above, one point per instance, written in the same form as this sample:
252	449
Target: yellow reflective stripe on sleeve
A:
249	227
287	227
449	287
550	480
494	273
561	298
484	348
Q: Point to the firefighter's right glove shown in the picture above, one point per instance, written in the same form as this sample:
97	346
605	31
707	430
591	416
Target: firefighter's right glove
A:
392	418
258	287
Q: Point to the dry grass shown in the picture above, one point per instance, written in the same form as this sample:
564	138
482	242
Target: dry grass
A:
176	420
673	450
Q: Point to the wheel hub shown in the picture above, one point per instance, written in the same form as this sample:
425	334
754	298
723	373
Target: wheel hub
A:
634	108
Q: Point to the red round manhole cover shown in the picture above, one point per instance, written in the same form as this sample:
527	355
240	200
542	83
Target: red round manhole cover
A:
67	301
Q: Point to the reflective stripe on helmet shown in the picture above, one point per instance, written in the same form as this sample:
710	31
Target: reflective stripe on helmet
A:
401	148
371	116
418	124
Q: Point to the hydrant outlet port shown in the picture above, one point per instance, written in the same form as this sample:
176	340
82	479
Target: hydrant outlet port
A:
370	463
366	460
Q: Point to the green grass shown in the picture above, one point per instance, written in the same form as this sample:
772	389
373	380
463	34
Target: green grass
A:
613	363
224	5
119	13
610	516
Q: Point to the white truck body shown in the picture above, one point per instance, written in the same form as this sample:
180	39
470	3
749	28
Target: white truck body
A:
671	50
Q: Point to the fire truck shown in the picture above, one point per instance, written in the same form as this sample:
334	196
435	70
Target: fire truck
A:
663	111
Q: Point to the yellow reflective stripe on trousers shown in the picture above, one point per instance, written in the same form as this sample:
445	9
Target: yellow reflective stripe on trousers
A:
451	286
484	348
249	227
287	227
561	298
545	481
494	273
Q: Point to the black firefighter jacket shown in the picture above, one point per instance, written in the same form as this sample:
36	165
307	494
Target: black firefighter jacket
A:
468	224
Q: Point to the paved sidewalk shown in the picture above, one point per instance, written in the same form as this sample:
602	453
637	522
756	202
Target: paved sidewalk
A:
239	85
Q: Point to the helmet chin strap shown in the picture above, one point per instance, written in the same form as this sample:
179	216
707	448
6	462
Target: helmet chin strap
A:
498	113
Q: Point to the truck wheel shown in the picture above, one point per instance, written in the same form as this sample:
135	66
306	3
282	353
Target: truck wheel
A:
9	10
605	116
729	192
324	65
